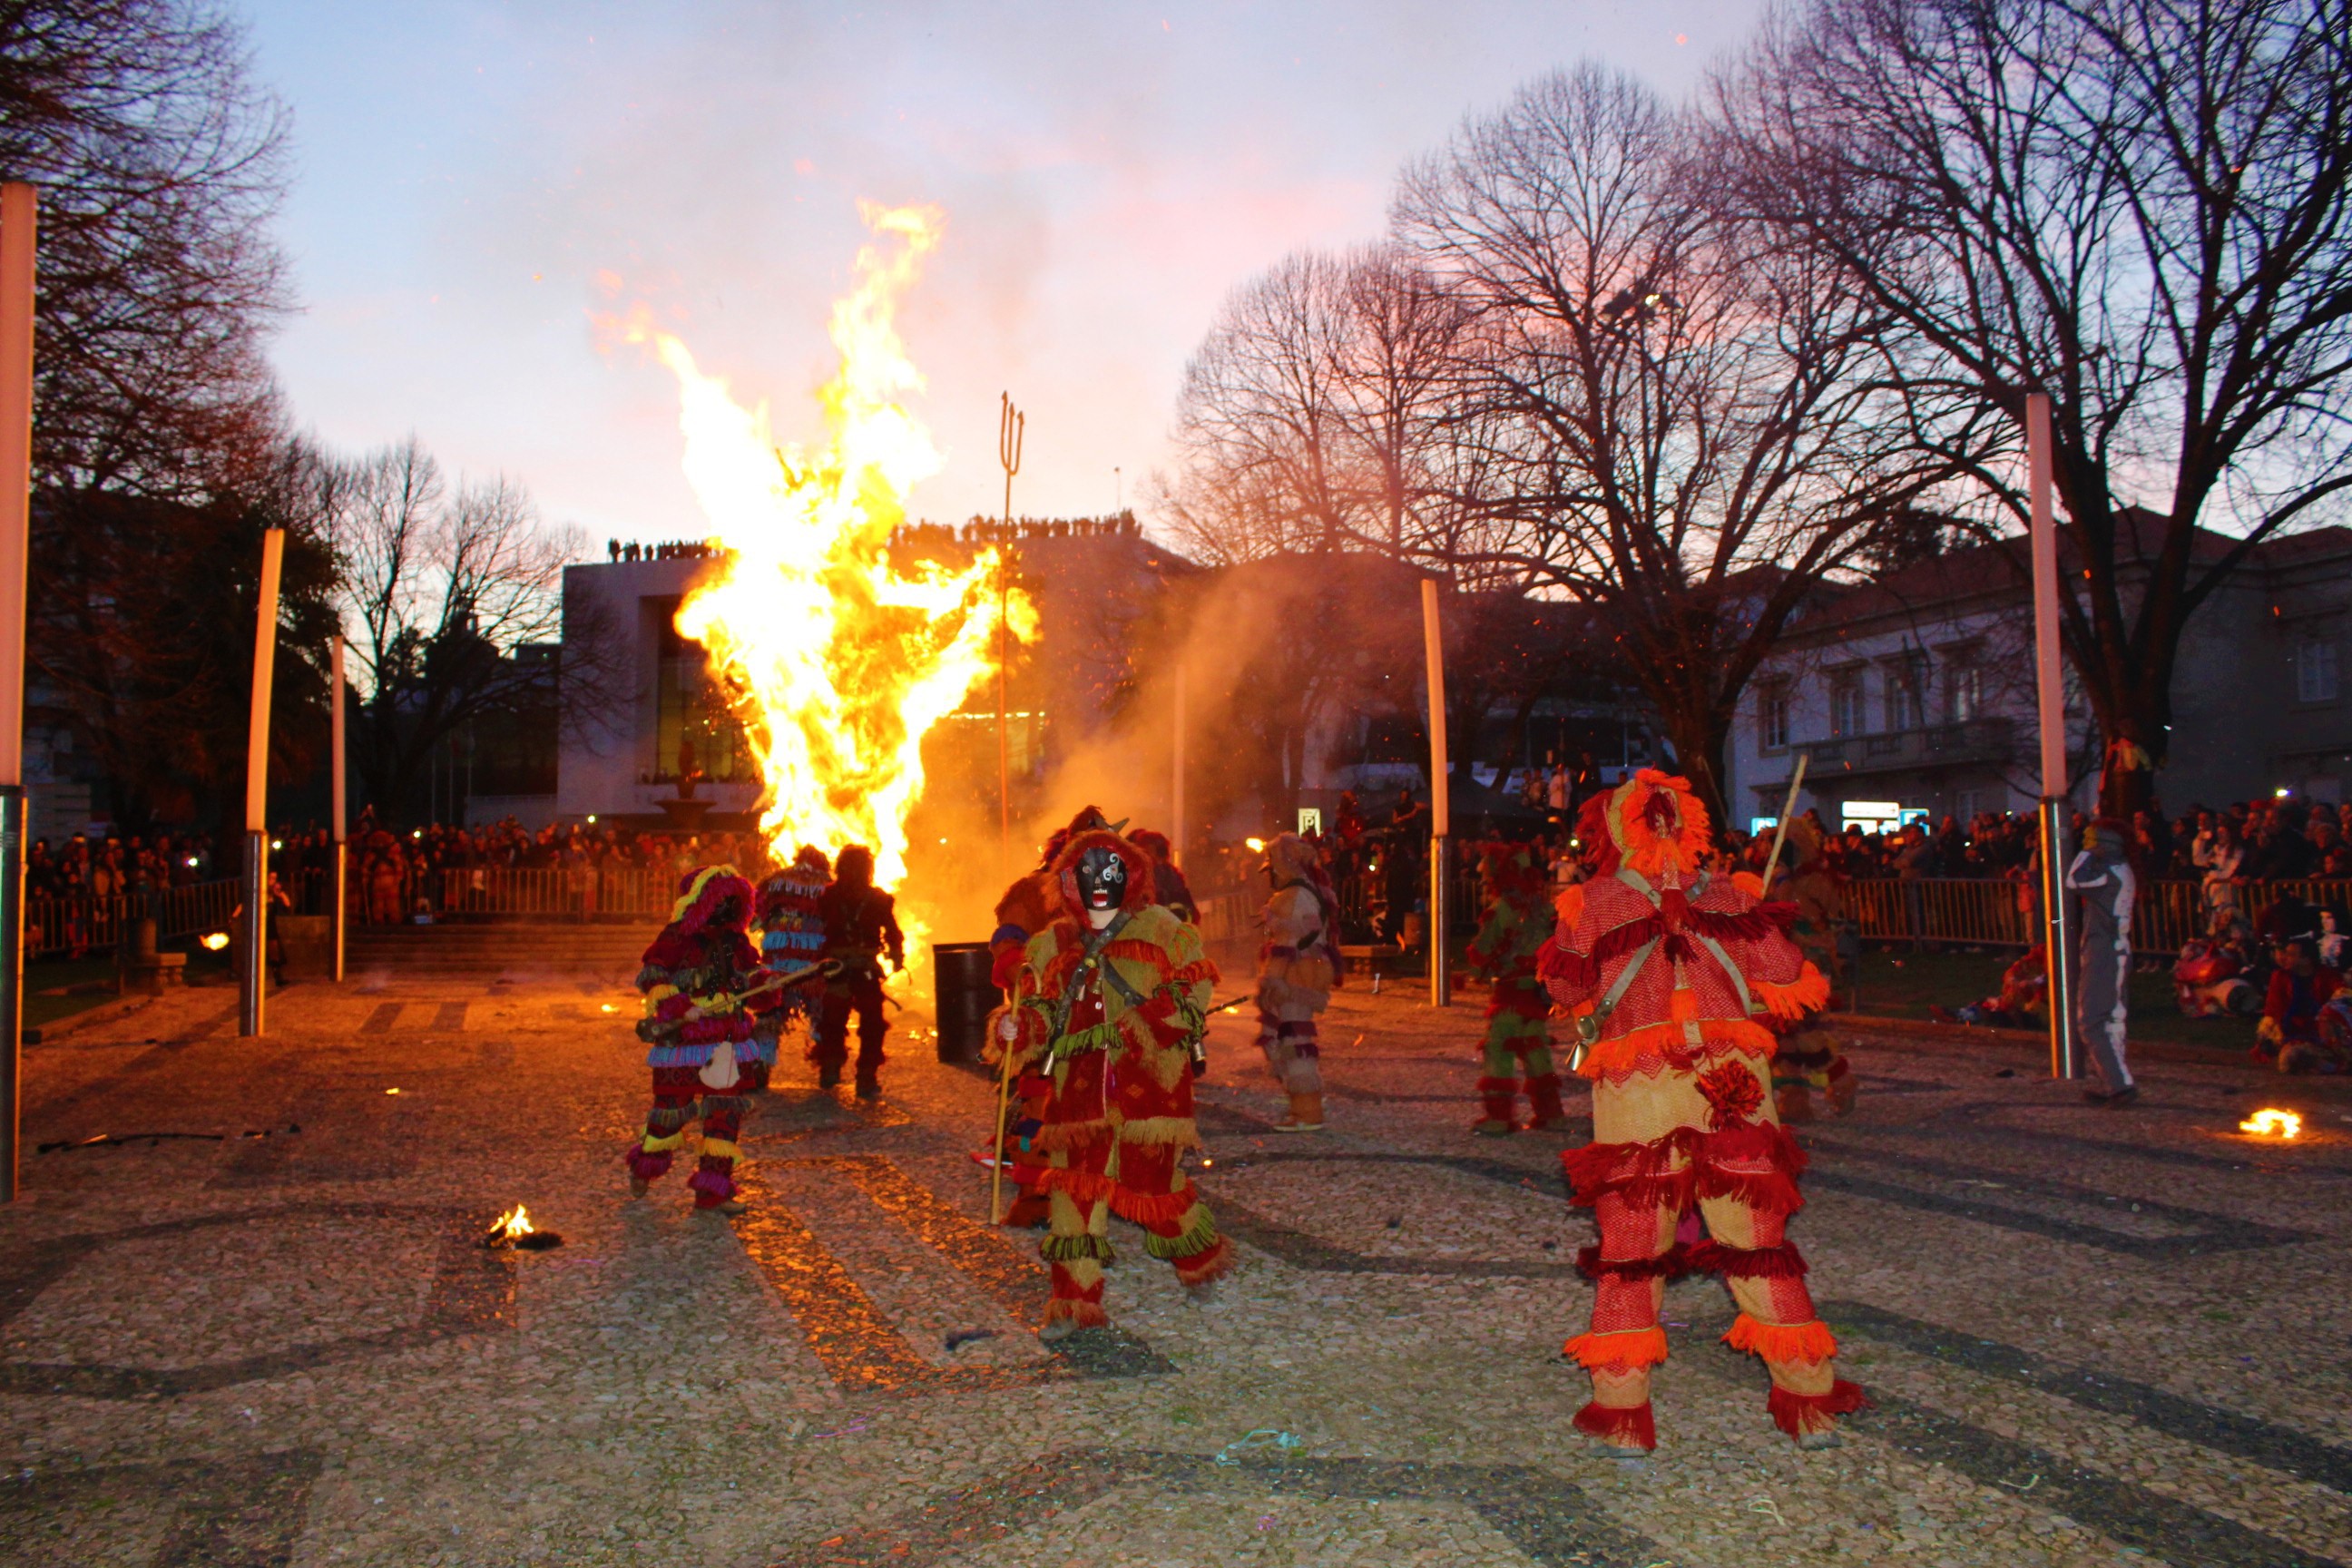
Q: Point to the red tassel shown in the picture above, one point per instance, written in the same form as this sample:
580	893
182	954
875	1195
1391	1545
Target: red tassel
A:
1626	938
1566	967
1798	1414
1627	1428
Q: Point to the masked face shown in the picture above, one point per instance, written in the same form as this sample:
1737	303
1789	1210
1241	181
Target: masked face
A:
1102	880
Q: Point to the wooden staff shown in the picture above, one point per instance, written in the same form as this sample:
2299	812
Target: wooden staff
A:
996	1150
1781	832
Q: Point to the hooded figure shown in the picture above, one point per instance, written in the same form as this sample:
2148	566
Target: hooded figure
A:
1104	1008
700	1022
1518	1038
1666	972
1296	968
2102	873
861	928
791	935
1809	1060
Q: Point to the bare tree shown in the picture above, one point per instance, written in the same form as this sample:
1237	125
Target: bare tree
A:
444	587
1314	417
160	166
2139	207
1683	425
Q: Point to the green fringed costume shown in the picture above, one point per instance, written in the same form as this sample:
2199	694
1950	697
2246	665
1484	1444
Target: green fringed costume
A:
1519	1032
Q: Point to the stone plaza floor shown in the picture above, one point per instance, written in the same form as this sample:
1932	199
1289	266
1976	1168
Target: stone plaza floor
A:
2090	1337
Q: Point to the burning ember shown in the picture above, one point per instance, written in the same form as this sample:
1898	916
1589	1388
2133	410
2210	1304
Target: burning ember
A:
839	661
513	1228
2269	1124
214	941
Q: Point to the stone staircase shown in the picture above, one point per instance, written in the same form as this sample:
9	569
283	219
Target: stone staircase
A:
520	951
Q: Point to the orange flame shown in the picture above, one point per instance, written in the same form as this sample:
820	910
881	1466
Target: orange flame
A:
2266	1122
514	1223
841	663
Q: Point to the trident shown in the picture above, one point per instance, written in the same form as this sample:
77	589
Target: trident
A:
1010	426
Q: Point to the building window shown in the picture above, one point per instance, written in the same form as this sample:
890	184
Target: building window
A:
1964	692
2315	671
1775	716
1846	705
1907	690
692	717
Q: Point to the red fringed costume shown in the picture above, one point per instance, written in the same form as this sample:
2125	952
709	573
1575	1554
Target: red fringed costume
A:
1667	971
1107	1018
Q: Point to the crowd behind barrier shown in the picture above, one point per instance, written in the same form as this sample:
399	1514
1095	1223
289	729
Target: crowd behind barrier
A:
1948	885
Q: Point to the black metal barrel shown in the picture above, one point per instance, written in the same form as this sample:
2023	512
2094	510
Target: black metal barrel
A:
960	973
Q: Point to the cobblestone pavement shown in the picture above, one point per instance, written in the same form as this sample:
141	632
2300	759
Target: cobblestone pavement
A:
2091	1337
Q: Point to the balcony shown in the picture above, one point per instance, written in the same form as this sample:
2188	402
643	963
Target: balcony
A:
1979	743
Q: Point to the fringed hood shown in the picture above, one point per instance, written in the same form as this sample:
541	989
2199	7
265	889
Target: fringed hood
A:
1651	822
704	892
1139	870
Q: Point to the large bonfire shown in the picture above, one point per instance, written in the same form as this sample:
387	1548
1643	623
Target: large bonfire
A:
839	661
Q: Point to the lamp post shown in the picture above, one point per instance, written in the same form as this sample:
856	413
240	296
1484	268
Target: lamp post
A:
252	955
19	219
341	814
2065	1049
1441	971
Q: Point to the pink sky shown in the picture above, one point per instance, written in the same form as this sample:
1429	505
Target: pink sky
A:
1108	172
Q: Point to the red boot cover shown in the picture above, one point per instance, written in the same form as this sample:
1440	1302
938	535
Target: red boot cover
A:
1630	1428
647	1167
1798	1414
1543	1099
1497	1099
1203	1267
1083	1306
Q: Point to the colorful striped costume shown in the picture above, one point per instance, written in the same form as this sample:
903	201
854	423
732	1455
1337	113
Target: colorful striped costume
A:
791	936
1667	970
700	1026
1108	1018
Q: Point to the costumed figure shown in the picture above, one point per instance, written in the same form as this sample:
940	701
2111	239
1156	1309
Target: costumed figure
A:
861	928
2300	989
2024	999
792	936
1665	971
1106	1005
703	986
1169	887
1518	1038
1809	1060
2102	873
1028	907
1296	968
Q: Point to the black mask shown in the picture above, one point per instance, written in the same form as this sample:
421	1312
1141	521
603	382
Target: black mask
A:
1102	880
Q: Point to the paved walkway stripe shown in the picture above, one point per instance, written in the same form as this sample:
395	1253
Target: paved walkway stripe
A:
380	1021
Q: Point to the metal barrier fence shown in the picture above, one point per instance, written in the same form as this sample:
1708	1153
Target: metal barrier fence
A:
86	924
1948	911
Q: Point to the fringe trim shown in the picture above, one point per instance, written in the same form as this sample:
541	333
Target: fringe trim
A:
1810	1343
1805	995
664	1144
711	1187
1201	1268
1781	1262
1143	1208
720	1148
1620	1057
1162	1131
1623	1351
1069	1248
646	1165
1672	1263
1070	1134
1198	1234
1085	1314
1798	1414
1630	1427
1645	1175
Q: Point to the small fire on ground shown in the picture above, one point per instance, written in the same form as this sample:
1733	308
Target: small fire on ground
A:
513	1228
2267	1123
